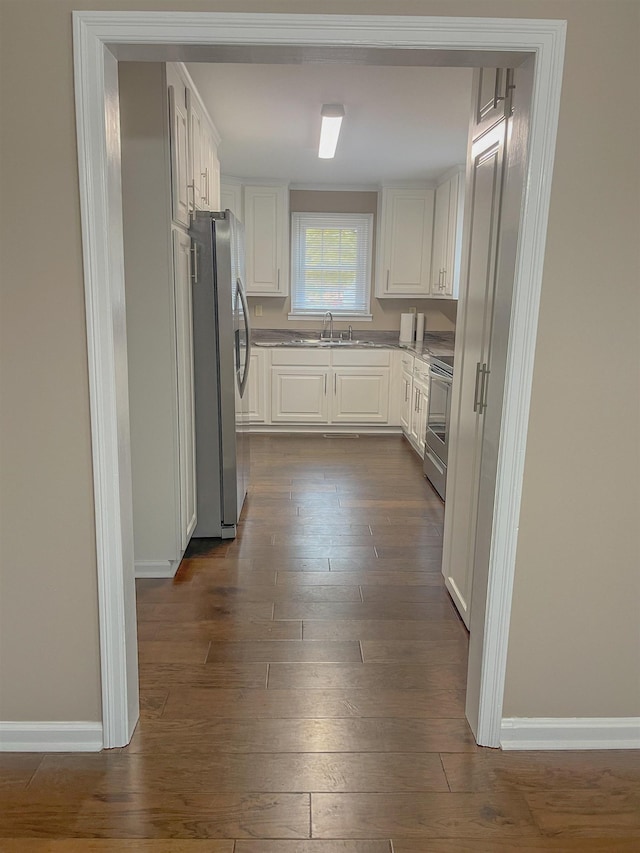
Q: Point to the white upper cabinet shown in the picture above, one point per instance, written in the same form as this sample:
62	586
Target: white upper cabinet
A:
266	221
404	242
231	197
209	168
447	237
492	97
203	161
196	159
179	144
194	140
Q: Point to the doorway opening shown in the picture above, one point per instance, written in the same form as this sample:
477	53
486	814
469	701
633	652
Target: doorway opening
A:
100	39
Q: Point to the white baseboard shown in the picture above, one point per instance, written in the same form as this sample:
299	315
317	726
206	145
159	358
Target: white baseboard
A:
570	733
156	568
50	737
284	429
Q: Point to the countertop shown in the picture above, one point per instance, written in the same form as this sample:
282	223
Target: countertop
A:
433	344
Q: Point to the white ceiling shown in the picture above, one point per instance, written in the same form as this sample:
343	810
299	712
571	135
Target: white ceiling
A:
401	123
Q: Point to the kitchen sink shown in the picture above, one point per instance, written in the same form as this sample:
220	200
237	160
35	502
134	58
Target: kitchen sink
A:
336	342
323	344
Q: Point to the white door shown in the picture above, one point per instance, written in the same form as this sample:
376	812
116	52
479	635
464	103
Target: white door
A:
491	227
299	395
360	395
485	193
184	360
496	358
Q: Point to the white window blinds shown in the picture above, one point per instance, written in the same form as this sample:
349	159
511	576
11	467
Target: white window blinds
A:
331	263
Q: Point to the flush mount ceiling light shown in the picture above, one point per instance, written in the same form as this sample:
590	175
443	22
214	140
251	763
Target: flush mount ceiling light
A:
332	115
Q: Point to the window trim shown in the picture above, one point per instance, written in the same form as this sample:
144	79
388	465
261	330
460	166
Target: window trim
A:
367	315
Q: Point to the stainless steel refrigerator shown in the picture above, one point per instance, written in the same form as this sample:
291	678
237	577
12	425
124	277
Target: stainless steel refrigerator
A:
221	344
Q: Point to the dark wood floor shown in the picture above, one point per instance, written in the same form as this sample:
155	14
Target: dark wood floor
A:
306	681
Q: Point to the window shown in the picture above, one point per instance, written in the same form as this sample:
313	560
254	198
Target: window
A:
331	264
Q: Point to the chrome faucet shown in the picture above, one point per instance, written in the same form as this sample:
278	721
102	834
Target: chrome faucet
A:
323	334
350	332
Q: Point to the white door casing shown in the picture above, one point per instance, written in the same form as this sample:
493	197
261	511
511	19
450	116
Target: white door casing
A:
98	38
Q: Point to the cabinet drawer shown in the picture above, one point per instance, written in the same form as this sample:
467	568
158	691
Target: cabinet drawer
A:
301	356
361	358
421	371
407	359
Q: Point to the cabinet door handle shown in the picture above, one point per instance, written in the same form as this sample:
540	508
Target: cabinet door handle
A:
406	391
479	399
387	287
475	390
325	385
194	263
484	388
205	178
192	207
278	280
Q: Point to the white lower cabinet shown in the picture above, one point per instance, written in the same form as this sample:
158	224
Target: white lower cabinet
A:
330	387
186	398
257	387
360	395
414	400
419	401
406	399
299	395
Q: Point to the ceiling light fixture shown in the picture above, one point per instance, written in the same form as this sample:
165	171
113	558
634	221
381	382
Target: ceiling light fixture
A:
332	115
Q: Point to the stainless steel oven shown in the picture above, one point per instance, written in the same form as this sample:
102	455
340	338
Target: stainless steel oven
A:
438	422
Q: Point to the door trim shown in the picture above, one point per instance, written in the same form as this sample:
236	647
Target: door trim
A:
98	38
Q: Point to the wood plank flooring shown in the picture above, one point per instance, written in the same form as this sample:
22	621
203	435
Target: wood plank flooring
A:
302	691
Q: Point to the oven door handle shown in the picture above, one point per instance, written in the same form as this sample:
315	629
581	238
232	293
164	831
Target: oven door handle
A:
440	373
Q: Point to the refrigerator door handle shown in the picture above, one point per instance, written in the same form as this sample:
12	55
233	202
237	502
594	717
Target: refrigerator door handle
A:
245	310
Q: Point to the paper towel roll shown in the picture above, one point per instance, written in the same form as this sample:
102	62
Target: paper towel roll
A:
419	329
406	328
